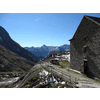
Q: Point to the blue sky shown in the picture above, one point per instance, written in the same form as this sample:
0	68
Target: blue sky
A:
36	29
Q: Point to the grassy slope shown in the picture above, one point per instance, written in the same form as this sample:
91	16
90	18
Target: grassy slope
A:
64	63
11	62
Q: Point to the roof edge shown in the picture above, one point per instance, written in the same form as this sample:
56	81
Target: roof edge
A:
70	39
92	19
87	17
76	29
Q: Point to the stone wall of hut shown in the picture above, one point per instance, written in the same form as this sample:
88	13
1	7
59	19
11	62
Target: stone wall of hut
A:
86	46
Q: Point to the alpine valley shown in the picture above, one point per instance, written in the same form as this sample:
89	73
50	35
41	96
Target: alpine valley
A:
20	67
13	57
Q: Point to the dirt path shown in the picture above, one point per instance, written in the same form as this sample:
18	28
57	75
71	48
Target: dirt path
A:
32	72
74	77
82	80
85	82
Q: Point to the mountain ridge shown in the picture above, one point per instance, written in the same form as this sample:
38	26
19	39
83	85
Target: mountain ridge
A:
11	62
44	50
7	42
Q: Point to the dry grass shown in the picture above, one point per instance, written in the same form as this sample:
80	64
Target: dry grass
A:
10	62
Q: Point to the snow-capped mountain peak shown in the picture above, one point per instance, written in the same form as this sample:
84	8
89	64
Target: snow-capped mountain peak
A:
44	50
44	47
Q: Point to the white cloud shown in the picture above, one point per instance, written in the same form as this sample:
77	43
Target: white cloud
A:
37	19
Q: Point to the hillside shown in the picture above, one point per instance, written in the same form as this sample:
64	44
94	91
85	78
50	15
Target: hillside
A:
7	42
11	62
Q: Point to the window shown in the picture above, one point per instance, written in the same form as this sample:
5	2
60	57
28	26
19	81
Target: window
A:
85	38
85	50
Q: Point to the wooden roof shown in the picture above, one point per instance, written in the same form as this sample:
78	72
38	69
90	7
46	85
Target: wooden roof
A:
96	20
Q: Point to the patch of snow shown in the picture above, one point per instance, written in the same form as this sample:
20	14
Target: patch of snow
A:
75	71
44	72
35	85
63	59
3	78
56	58
16	85
7	75
56	82
63	82
66	57
53	80
58	86
1	83
40	83
12	80
46	80
43	82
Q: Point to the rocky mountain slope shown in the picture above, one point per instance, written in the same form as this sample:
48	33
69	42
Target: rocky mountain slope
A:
11	62
7	42
44	50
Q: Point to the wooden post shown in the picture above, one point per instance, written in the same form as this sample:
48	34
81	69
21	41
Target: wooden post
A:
75	81
70	78
52	50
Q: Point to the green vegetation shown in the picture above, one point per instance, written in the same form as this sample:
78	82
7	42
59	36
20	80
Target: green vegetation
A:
34	80
64	64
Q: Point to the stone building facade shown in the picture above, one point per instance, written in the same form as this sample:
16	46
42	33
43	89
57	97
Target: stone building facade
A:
85	47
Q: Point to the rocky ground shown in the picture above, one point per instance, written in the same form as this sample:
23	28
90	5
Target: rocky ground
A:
47	75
